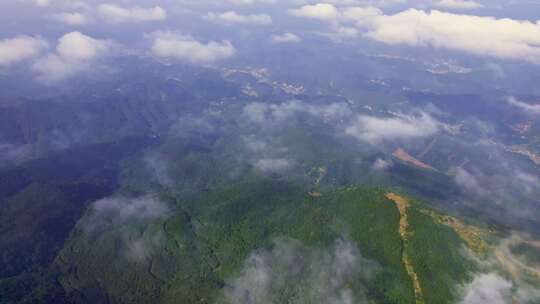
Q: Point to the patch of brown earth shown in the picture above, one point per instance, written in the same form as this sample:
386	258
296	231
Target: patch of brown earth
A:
405	157
315	194
471	235
532	155
402	205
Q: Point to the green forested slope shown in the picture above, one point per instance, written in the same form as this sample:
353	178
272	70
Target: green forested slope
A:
194	253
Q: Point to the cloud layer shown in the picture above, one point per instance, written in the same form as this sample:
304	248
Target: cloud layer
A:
74	53
526	107
276	114
458	4
307	275
232	17
321	11
121	210
482	36
376	130
185	48
20	48
286	38
117	14
488	289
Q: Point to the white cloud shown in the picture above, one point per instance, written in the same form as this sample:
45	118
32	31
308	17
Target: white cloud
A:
375	130
41	3
343	32
286	38
185	48
72	18
307	275
273	165
121	210
529	108
76	46
141	247
255	145
113	212
483	36
458	4
502	38
277	114
11	154
249	2
74	53
469	182
360	15
59	4
321	11
117	14
381	164
17	49
488	289
53	68
256	112
232	17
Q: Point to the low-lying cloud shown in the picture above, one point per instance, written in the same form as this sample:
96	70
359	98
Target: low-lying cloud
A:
11	154
526	107
286	38
117	14
14	50
72	18
502	38
273	165
458	4
140	248
185	48
381	164
376	130
232	17
497	186
321	11
488	289
75	52
117	211
483	36
277	114
308	275
469	182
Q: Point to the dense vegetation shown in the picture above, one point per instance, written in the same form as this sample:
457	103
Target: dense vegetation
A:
203	243
40	203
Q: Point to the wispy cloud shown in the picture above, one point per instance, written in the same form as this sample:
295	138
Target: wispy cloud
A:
118	14
117	211
185	48
526	107
75	52
232	17
321	11
14	50
458	4
405	127
488	289
273	165
72	18
286	38
274	114
309	275
483	36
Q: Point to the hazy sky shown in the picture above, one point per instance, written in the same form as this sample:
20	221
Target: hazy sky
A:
56	39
